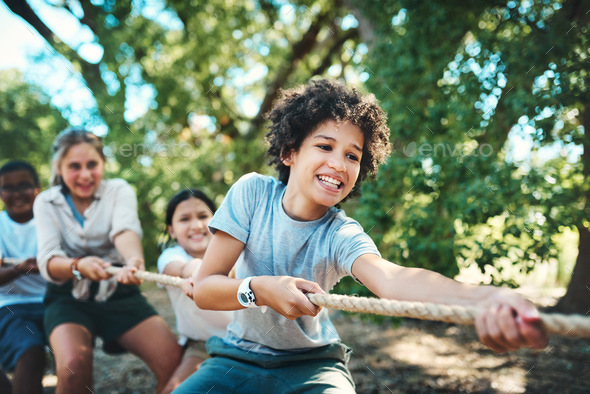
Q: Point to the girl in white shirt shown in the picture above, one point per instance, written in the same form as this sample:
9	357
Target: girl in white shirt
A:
187	216
84	224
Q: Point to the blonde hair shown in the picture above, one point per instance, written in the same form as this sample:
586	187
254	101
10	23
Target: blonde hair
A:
62	144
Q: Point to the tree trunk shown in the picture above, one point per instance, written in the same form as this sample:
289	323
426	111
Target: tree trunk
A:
577	297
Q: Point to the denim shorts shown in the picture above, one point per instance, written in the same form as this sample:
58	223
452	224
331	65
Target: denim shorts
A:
196	349
233	370
21	327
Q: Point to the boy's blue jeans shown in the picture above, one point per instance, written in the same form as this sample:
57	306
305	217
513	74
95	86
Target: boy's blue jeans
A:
232	370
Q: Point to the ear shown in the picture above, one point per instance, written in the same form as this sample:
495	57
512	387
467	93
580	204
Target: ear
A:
287	159
171	232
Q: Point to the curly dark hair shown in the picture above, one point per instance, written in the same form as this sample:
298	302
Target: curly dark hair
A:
301	110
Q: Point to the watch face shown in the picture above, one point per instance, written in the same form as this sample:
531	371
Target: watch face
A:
244	298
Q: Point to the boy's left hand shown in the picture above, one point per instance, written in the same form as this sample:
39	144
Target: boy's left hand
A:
509	322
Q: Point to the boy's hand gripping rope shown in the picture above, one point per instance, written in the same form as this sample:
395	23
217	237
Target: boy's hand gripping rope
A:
558	324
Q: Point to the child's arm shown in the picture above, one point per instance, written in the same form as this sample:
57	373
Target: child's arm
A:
128	244
181	268
507	321
59	268
214	290
8	273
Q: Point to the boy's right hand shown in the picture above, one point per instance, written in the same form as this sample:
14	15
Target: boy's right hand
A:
29	266
93	268
286	295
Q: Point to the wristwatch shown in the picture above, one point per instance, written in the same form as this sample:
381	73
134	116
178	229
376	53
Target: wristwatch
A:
77	274
246	295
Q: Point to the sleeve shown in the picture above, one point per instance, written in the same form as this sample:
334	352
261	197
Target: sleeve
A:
169	255
124	209
234	216
48	236
351	242
3	235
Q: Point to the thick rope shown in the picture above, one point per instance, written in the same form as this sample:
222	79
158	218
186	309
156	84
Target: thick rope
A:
558	324
151	276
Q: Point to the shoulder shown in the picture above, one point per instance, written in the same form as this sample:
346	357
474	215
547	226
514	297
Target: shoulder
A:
254	183
255	178
173	253
111	188
343	224
51	195
116	183
175	250
5	221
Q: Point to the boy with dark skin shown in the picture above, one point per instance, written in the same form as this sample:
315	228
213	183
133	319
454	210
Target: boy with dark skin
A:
21	287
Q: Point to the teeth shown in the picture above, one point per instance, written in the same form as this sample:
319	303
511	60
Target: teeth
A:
330	181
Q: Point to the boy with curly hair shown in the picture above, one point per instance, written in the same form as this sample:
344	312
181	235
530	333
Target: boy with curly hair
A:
324	140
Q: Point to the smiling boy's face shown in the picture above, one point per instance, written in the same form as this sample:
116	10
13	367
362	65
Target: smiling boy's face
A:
324	169
18	192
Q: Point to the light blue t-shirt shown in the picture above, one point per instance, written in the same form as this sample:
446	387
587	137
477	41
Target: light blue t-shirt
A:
322	251
19	240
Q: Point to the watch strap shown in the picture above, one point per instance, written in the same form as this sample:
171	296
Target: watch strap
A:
246	296
74	267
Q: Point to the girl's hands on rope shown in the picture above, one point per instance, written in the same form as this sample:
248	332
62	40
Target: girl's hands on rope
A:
127	274
508	321
286	295
188	286
93	268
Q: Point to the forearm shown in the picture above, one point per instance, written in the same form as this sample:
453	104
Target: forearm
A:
60	268
213	289
128	244
8	274
416	284
217	292
392	281
182	269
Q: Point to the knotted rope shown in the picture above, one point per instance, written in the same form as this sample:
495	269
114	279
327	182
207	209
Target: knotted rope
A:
557	324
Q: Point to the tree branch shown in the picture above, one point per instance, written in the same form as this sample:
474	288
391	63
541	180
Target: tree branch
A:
299	51
22	9
334	48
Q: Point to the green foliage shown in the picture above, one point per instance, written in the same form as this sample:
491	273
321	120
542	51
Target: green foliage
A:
208	71
28	122
455	79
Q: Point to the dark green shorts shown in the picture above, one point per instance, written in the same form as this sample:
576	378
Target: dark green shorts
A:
107	320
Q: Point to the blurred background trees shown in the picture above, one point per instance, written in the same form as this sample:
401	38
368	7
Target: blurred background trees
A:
487	105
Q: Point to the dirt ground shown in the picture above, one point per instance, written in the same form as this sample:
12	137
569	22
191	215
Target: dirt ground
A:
414	357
